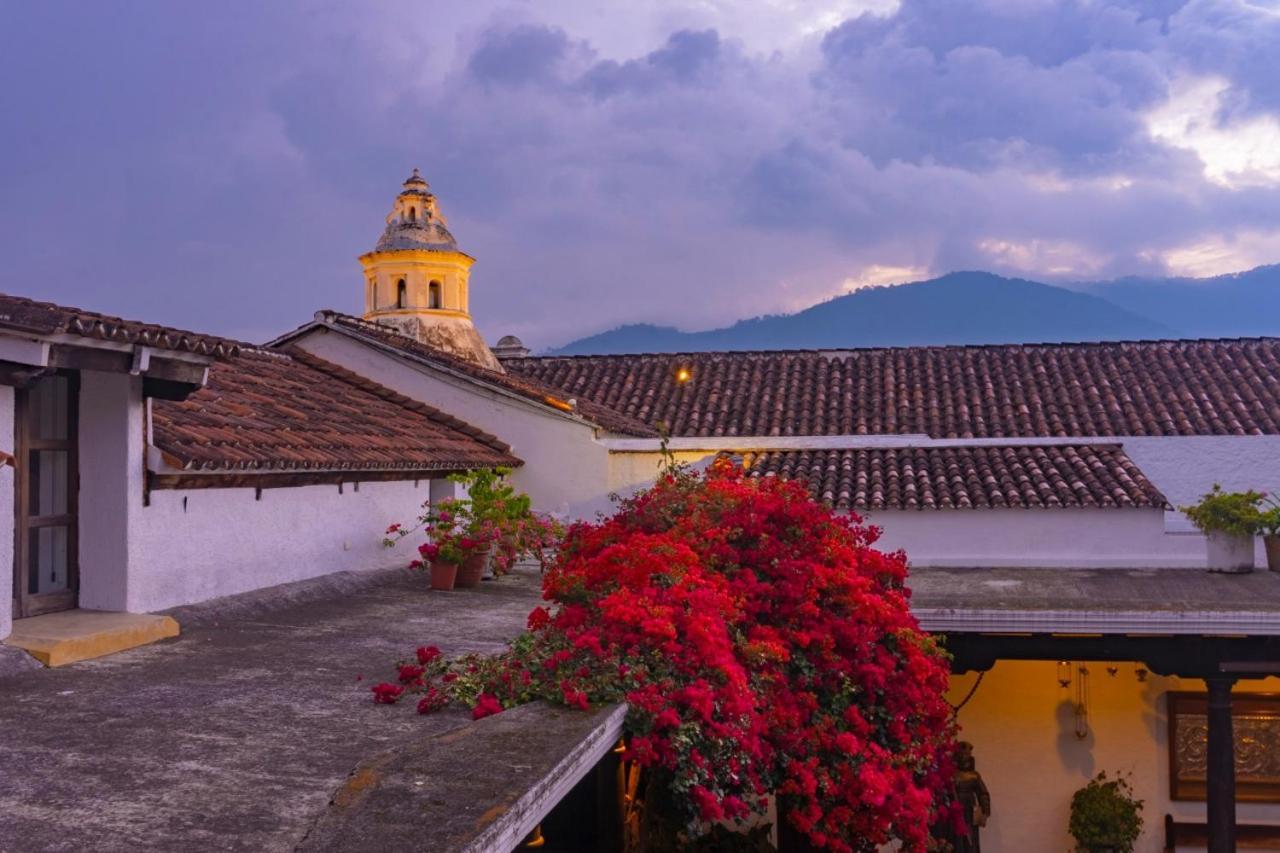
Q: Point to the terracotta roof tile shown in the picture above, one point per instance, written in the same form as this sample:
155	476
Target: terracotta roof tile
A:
532	389
1205	387
1021	477
45	318
290	411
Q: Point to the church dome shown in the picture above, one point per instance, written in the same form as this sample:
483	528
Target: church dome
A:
415	222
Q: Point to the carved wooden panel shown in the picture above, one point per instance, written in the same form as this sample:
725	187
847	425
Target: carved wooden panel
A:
1255	722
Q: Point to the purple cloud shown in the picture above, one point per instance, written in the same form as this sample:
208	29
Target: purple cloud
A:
221	167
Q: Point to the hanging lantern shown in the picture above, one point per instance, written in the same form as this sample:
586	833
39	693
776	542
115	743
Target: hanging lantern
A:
1064	673
1082	702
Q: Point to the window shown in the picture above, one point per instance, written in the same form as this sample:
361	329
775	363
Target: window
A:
433	295
401	294
413	214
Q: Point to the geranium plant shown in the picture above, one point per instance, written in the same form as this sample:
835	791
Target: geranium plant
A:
449	537
493	513
762	645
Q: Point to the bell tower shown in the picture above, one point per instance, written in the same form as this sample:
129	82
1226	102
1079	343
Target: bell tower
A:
416	278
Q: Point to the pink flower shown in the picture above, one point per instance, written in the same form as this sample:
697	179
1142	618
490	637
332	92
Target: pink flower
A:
386	694
486	706
393	528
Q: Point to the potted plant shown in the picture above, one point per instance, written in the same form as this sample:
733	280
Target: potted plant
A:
448	547
491	527
1229	521
497	515
476	548
1105	816
1269	527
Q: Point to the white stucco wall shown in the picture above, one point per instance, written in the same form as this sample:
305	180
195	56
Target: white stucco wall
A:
1185	467
565	469
111	459
192	545
1022	726
1041	538
6	511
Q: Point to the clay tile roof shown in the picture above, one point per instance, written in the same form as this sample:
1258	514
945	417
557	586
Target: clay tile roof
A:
290	411
1014	477
45	318
1197	387
585	408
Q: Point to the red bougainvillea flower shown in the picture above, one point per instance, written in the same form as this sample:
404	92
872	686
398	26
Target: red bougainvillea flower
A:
486	706
433	700
539	618
386	694
427	654
411	673
762	645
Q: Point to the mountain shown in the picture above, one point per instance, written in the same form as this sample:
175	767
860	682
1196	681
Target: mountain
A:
958	308
1241	304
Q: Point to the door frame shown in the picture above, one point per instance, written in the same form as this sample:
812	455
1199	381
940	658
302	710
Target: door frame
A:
33	604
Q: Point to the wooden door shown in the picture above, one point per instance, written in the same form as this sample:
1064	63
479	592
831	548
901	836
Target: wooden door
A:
46	574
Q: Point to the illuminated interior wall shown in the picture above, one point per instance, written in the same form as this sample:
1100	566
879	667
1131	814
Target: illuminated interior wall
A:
1022	725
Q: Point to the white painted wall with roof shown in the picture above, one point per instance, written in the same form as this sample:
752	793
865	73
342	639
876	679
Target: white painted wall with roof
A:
995	538
565	469
191	545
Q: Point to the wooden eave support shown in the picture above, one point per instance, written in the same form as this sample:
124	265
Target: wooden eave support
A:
286	479
20	376
162	377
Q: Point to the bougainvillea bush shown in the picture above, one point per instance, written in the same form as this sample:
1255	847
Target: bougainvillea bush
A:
762	645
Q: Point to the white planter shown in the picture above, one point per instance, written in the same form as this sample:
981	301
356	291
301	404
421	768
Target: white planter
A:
1229	552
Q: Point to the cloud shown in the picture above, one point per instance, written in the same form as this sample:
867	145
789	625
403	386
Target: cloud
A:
687	164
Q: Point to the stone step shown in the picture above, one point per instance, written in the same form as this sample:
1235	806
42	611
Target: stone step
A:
57	639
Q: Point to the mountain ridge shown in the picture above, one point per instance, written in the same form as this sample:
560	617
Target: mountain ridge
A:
973	308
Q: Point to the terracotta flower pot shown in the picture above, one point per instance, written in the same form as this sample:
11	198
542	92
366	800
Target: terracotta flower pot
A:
443	575
472	568
1272	543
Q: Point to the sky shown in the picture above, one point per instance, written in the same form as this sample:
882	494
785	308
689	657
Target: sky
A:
220	166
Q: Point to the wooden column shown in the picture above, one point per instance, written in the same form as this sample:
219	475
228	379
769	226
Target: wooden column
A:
1221	767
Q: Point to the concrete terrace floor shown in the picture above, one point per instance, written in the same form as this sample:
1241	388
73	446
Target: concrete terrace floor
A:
235	735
